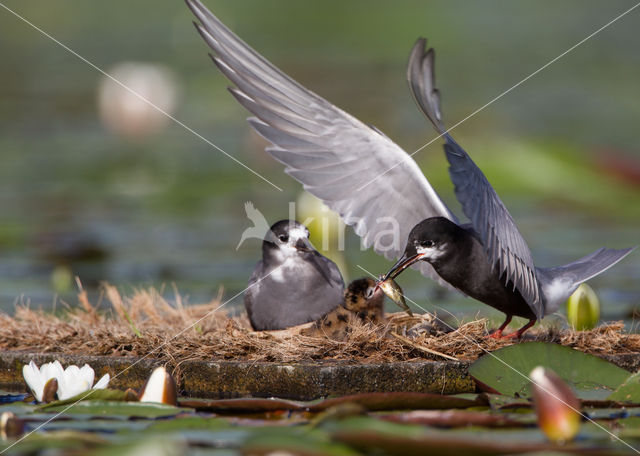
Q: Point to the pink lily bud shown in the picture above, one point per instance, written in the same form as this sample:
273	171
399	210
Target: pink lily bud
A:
556	406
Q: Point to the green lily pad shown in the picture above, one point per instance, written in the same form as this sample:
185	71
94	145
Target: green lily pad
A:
374	436
156	445
47	442
94	394
370	401
396	401
506	370
630	427
109	408
189	423
97	426
501	402
453	419
241	405
294	441
629	391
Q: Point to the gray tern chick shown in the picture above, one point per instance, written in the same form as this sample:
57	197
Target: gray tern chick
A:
376	187
293	283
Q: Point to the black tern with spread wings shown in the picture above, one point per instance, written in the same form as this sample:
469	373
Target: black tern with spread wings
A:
486	259
335	155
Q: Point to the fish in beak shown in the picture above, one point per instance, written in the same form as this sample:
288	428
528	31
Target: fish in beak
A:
393	292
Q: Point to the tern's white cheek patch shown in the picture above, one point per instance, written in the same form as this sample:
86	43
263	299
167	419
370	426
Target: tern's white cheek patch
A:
431	253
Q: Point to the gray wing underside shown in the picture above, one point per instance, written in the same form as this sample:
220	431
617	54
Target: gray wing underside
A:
330	152
489	217
585	268
573	274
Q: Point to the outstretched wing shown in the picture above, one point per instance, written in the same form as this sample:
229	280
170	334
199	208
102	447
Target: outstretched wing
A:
504	244
330	152
560	282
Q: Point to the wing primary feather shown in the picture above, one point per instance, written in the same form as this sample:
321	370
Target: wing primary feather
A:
320	144
280	138
257	89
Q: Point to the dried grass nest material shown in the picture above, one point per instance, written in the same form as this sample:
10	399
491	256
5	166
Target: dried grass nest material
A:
147	323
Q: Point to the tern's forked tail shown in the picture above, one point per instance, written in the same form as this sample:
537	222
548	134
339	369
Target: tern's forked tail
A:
558	283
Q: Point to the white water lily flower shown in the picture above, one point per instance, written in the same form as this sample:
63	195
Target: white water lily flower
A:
37	378
71	381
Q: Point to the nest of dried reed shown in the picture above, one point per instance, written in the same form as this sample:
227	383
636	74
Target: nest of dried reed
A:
146	323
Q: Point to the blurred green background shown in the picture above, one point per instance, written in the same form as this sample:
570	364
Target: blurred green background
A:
80	198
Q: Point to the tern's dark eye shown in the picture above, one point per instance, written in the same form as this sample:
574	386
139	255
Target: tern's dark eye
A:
283	237
369	292
427	243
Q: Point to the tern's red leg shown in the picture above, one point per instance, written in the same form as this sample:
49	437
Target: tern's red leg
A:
497	334
518	334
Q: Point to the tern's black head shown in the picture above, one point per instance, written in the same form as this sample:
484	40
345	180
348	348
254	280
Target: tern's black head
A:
431	240
432	237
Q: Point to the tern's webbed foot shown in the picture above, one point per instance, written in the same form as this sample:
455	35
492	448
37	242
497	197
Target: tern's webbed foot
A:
497	334
516	334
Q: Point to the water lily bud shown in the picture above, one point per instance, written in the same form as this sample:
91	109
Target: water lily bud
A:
50	390
10	426
583	308
556	406
160	388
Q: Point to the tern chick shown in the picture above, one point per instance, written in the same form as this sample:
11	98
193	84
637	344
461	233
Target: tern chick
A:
363	301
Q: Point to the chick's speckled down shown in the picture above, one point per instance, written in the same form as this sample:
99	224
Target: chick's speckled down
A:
362	301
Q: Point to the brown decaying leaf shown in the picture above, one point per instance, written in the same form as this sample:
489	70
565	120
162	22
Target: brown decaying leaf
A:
368	401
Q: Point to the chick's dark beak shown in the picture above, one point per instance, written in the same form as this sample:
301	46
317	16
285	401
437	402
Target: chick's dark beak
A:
403	263
303	245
